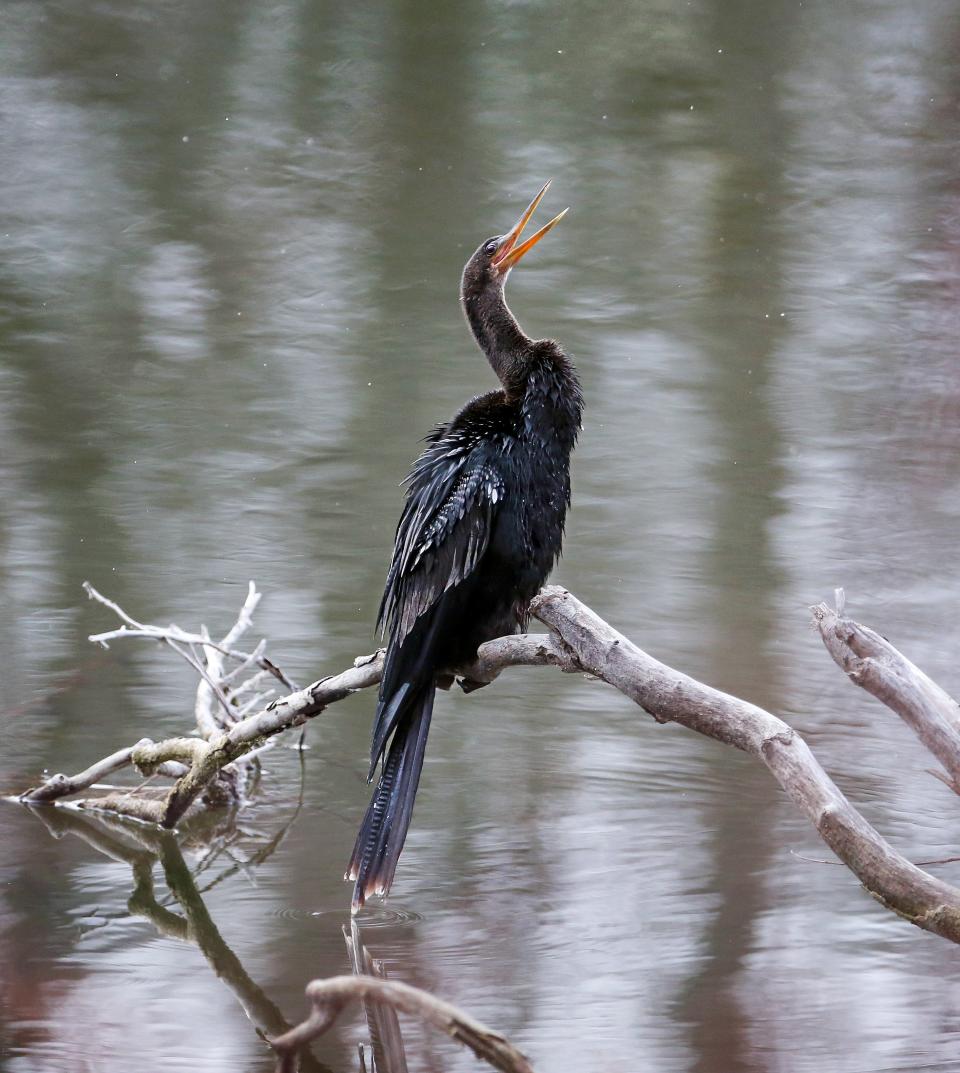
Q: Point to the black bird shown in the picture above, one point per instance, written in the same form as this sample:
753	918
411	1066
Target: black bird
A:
480	530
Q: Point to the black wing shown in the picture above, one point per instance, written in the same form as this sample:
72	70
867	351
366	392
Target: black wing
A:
454	493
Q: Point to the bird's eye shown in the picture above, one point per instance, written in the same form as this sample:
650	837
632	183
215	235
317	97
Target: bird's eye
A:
491	248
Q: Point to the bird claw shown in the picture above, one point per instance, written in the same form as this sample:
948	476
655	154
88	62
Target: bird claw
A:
469	685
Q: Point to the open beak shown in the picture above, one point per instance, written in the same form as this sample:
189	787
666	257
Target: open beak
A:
509	252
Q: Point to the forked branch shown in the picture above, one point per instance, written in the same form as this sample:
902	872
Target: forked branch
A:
328	998
211	763
582	641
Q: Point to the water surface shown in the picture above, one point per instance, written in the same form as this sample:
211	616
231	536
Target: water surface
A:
232	235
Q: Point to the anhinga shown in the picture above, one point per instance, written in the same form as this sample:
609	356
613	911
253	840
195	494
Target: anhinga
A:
480	530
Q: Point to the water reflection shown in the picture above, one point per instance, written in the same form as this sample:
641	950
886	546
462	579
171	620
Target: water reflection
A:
181	913
386	1037
142	848
745	282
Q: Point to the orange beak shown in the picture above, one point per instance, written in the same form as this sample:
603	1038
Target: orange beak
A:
509	252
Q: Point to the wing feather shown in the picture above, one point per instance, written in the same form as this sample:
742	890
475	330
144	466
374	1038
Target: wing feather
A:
453	493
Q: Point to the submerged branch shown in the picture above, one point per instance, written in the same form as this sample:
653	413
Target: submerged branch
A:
328	999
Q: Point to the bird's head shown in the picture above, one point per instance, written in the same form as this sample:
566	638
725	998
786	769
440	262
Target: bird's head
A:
489	267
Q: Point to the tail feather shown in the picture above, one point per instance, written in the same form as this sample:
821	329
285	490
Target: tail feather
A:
384	828
407	788
386	721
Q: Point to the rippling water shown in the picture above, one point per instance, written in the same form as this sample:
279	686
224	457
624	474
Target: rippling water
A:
232	236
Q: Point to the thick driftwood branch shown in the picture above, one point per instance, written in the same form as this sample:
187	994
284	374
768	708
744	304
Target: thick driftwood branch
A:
329	997
872	663
670	696
294	710
582	641
148	808
171	758
523	649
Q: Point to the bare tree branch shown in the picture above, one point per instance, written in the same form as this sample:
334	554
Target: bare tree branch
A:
132	628
670	696
329	998
210	690
582	641
60	785
872	663
245	618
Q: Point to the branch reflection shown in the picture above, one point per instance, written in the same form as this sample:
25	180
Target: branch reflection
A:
142	847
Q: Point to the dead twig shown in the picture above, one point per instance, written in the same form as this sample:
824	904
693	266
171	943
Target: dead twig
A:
216	710
132	628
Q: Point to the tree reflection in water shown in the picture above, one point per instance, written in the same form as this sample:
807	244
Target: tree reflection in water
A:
142	847
183	914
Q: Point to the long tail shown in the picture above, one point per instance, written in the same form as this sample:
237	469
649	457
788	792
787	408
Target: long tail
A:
384	827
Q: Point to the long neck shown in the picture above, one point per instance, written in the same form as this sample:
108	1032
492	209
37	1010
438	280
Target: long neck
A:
499	336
